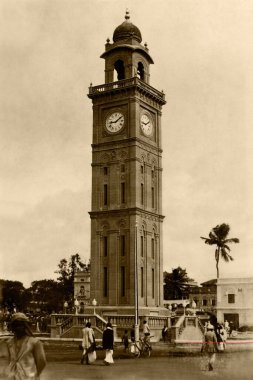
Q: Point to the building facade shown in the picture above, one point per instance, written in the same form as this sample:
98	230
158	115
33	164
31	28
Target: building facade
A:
82	288
205	296
235	301
126	213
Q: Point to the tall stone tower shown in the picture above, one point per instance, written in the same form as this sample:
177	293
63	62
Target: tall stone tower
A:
126	211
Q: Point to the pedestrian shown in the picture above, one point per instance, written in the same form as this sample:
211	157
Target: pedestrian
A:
165	333
88	344
210	346
132	334
146	333
125	340
224	336
108	341
26	354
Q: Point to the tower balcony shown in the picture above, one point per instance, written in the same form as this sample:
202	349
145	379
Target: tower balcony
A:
127	84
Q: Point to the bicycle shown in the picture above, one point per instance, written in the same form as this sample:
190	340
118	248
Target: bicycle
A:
142	348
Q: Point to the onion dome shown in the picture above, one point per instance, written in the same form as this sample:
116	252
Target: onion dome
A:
127	30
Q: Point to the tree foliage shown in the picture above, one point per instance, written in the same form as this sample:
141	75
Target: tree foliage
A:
66	271
47	295
219	236
176	284
15	295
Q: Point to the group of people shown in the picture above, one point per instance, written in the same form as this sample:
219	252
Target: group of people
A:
89	344
215	337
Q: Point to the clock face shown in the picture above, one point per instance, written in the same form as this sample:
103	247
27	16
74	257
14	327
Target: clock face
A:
114	122
146	125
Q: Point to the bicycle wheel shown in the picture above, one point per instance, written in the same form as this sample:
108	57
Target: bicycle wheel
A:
146	352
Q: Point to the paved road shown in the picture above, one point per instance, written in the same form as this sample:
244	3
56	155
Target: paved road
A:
233	366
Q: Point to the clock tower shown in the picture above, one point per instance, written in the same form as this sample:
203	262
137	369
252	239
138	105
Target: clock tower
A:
126	209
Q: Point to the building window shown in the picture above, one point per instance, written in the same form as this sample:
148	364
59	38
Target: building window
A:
152	174
140	71
153	283
142	194
204	302
142	282
122	245
231	298
122	168
122	195
142	169
153	248
105	195
105	170
153	197
142	246
105	246
105	282
213	303
120	69
123	279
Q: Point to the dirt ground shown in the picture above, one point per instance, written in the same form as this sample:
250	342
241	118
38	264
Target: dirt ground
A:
228	366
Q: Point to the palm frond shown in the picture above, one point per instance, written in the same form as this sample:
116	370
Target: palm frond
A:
232	240
227	247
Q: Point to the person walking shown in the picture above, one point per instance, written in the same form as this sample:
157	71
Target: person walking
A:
165	333
210	346
107	341
88	343
132	334
125	340
25	353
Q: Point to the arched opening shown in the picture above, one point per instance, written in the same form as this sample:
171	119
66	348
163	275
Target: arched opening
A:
120	69
140	71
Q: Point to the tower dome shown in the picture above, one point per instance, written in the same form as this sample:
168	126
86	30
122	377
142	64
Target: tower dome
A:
127	30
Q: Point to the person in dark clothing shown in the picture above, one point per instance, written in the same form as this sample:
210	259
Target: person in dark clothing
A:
107	341
125	340
132	334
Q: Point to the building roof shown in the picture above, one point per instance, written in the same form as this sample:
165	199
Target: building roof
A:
209	283
127	30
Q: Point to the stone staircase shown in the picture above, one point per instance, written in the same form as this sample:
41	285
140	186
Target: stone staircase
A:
188	334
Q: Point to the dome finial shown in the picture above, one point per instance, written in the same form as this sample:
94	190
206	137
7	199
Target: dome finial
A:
127	16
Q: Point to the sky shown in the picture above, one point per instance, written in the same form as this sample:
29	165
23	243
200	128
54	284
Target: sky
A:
203	61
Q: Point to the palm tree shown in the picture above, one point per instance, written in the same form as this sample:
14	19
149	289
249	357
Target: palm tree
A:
219	237
176	284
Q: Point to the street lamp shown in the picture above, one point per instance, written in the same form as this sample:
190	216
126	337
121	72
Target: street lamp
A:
194	306
76	303
94	304
184	305
136	309
65	305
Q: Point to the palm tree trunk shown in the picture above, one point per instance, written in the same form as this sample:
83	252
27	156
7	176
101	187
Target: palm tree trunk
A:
217	262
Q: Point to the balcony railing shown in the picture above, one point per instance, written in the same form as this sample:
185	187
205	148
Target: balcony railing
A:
126	83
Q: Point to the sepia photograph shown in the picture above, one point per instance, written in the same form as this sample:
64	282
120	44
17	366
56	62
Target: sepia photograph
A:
126	189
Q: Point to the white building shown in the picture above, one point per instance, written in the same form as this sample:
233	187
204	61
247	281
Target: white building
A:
235	301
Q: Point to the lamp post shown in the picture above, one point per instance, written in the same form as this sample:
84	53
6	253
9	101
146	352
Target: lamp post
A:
194	307
184	305
65	305
76	303
136	293
94	304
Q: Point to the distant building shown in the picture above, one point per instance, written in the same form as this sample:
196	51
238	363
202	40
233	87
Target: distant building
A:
82	287
205	296
235	301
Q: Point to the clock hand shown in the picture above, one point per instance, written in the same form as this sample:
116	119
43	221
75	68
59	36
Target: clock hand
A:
118	119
